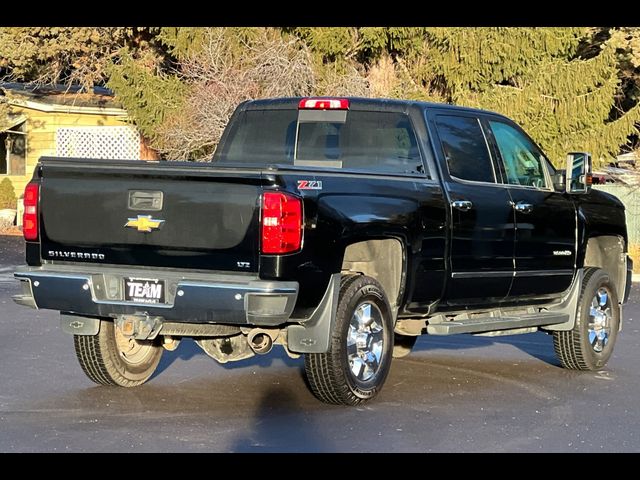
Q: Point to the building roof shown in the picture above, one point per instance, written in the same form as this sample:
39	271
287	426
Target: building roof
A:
60	98
11	121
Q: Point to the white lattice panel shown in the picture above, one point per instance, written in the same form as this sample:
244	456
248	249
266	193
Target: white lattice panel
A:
98	142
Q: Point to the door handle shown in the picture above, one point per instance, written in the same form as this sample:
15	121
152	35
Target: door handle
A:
462	205
522	207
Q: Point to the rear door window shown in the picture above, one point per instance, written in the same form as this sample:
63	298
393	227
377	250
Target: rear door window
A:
465	148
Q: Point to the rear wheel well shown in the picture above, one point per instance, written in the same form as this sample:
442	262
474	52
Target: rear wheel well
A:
379	259
608	253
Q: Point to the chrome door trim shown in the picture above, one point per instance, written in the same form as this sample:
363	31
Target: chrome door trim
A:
523	273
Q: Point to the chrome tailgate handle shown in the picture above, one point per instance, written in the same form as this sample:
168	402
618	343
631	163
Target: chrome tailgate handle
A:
145	200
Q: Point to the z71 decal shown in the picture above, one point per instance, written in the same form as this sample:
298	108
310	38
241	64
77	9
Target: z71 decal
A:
309	184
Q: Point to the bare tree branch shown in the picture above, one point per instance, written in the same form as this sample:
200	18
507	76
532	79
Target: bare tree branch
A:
219	80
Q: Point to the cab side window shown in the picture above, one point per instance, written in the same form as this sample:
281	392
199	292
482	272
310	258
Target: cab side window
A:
465	148
522	160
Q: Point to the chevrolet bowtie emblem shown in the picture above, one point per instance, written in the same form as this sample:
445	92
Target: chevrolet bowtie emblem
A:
144	223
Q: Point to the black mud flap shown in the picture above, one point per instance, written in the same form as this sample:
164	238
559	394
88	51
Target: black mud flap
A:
313	335
77	325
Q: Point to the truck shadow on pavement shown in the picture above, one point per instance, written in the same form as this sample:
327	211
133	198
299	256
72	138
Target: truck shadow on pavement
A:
280	423
189	349
538	345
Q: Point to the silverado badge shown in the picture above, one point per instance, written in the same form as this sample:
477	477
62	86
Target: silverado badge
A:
144	223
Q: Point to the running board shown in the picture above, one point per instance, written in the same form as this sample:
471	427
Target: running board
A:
492	323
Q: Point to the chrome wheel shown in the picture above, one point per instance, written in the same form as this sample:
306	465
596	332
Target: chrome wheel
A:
600	320
589	344
365	341
131	350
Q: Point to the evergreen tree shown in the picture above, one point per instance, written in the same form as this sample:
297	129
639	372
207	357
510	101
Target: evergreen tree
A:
536	76
70	55
149	93
165	100
571	88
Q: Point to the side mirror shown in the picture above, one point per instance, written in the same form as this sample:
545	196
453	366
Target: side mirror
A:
578	172
559	181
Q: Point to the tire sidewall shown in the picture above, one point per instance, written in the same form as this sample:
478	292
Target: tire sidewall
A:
361	290
133	372
598	359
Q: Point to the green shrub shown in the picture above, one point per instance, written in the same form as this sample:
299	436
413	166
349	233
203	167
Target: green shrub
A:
7	194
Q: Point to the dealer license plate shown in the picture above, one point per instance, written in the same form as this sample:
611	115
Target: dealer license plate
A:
144	290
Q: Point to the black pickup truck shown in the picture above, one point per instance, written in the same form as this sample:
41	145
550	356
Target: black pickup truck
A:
338	228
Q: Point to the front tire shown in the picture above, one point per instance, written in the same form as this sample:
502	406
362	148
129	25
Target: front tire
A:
590	344
354	369
109	358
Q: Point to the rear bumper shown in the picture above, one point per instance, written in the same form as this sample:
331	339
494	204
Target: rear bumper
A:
191	298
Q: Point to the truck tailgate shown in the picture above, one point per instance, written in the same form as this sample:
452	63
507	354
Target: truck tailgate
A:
140	214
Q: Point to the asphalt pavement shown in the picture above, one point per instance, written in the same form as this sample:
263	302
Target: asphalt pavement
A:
458	393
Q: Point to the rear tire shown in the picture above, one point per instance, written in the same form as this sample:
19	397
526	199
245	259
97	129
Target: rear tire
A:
590	344
109	358
354	369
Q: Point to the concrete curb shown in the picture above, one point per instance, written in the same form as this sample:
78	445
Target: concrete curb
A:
635	277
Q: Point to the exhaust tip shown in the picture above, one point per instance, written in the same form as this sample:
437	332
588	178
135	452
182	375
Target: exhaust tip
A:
260	342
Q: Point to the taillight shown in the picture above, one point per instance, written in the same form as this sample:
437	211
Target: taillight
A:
281	223
324	104
30	216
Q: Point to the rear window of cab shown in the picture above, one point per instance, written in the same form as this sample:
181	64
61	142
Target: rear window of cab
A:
355	140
